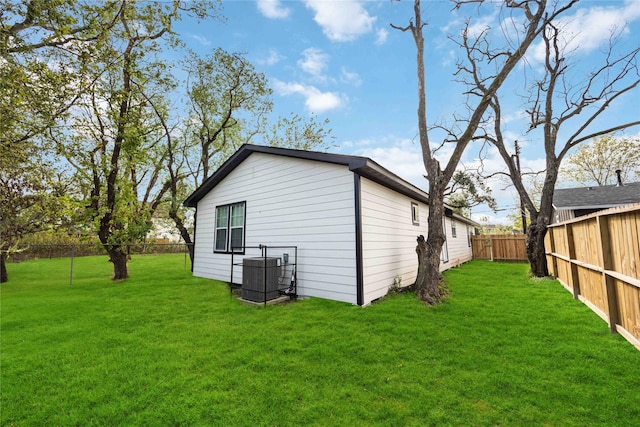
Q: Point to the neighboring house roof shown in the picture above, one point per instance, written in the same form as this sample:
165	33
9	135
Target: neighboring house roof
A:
605	196
363	166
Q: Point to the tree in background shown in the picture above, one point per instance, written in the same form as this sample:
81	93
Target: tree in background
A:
25	206
227	102
46	49
597	161
468	190
500	63
39	42
299	133
552	105
86	83
113	138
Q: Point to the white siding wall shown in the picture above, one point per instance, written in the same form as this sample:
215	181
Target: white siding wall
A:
459	249
389	239
562	215
289	201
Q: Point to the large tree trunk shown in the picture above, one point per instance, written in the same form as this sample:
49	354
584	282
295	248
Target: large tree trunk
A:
540	220
3	268
535	249
429	279
118	257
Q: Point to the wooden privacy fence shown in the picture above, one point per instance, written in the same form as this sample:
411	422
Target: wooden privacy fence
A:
597	258
499	247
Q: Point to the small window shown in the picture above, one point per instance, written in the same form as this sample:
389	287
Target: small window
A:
229	233
444	256
468	237
453	229
415	215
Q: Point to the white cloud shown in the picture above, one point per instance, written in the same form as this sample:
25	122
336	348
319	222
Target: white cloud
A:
482	24
381	36
341	20
200	39
350	77
273	9
314	62
272	58
316	101
401	156
475	26
591	27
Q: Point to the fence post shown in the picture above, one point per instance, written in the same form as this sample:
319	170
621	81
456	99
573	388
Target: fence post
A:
491	247
552	243
73	250
604	253
571	244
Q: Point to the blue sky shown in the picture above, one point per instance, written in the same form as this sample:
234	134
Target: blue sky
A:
341	60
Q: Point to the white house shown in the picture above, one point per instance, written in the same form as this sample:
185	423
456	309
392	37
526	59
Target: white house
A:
353	223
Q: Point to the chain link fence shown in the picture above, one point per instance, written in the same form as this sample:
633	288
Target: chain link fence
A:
34	251
71	251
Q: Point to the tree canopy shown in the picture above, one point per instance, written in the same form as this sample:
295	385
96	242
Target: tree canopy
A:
596	162
91	89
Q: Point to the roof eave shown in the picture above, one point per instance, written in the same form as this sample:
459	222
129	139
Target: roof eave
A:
362	166
353	162
573	208
212	181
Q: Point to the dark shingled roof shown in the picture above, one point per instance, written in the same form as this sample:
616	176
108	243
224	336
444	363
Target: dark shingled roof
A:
596	197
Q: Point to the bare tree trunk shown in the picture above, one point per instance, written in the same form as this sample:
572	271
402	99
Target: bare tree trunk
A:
540	220
429	280
428	273
118	257
535	249
3	268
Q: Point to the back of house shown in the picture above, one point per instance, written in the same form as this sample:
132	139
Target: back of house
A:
341	227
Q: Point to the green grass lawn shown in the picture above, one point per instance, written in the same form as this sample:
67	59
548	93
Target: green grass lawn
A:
164	348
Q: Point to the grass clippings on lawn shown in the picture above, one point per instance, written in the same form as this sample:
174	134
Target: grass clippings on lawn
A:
164	348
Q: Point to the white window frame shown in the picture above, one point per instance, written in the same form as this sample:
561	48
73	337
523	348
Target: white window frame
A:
444	255
228	227
415	214
454	234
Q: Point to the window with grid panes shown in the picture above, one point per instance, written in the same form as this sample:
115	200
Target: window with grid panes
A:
229	233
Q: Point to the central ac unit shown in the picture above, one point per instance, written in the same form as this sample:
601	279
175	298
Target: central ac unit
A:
260	278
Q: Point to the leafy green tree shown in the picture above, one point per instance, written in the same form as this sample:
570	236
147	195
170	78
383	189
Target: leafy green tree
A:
468	190
46	48
39	42
300	133
597	161
114	139
228	103
30	202
227	100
